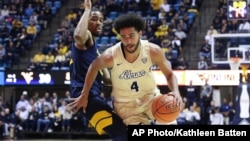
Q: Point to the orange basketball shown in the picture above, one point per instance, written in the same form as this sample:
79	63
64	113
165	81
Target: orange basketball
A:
165	109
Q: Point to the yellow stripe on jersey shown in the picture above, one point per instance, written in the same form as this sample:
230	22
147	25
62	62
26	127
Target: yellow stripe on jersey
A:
71	61
101	120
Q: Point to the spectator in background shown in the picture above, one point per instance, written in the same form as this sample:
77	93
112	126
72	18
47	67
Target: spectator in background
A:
56	118
10	123
133	5
202	64
42	20
176	44
183	26
161	14
34	18
208	37
49	60
66	96
32	65
244	26
31	121
20	11
180	34
162	29
205	102
22	115
191	93
29	10
46	48
210	64
20	49
4	12
192	116
64	25
25	94
12	57
186	20
123	6
4	31
66	117
48	13
44	120
205	50
17	27
231	112
71	15
22	103
220	48
181	64
38	58
31	31
176	48
209	111
2	55
60	60
170	15
216	118
55	99
107	28
225	27
182	10
62	48
165	6
149	34
77	123
181	120
24	40
225	109
196	107
68	41
206	89
233	26
149	21
217	24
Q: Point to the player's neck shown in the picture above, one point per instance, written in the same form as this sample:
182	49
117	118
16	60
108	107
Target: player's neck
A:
131	57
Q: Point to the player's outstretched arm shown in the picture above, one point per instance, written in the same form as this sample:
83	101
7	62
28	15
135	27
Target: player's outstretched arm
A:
160	60
104	60
81	32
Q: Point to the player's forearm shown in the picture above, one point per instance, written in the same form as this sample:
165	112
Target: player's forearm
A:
80	33
173	83
106	77
90	78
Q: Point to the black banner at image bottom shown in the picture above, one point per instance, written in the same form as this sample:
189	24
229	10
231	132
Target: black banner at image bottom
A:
163	131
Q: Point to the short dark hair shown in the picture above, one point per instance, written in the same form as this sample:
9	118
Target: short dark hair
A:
129	20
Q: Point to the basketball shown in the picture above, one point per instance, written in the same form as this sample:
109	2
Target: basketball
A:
165	109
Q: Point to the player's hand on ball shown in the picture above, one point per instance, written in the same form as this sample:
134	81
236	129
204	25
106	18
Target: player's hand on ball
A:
178	98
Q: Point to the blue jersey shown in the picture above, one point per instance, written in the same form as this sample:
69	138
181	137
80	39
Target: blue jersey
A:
80	62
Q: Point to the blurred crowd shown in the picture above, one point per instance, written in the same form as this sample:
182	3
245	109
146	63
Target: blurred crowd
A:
40	113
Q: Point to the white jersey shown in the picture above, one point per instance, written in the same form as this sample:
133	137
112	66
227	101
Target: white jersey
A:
132	81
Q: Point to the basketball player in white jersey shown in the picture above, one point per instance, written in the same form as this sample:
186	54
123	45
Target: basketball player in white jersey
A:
130	62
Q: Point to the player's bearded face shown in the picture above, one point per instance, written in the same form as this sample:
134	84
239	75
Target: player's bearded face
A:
130	39
95	23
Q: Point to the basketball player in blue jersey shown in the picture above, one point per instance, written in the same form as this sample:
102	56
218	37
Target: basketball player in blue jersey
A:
130	61
84	52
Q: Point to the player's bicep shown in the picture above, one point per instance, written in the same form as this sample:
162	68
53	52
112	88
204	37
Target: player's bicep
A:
160	60
83	42
104	60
